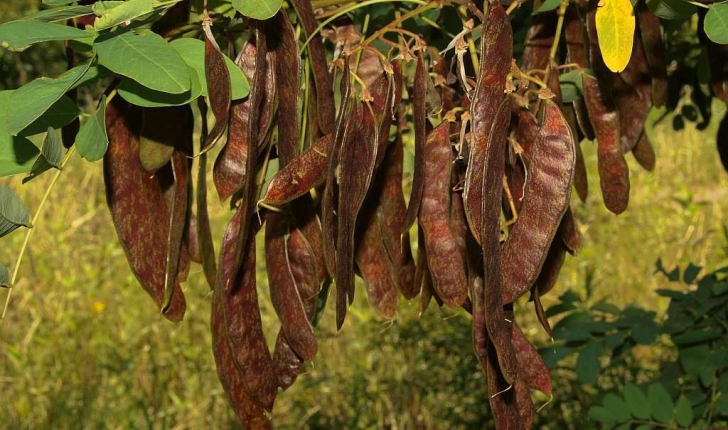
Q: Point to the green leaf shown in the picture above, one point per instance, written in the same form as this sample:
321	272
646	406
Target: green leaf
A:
587	365
59	114
559	309
257	9
4	277
101	7
637	402
548	5
691	273
675	295
58	14
684	412
18	35
13	212
50	156
16	153
607	308
671	9
126	11
33	99
57	2
92	140
139	95
716	23
192	52
571	86
148	59
660	403
601	414
696	336
719	289
645	334
617	406
615	24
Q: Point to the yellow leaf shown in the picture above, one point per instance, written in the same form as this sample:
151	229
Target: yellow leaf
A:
615	29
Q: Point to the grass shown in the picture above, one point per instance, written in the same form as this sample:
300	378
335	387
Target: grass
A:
84	347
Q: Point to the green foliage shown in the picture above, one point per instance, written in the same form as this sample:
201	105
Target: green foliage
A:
50	155
13	212
716	23
92	140
686	393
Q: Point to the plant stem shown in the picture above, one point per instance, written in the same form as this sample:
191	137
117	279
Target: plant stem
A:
33	223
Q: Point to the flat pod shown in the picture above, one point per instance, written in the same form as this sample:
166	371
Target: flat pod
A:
644	153
419	114
650	32
504	396
373	261
249	413
218	87
569	232
287	70
391	219
304	264
241	315
546	198
632	92
577	48
490	230
444	258
539	38
139	207
203	230
159	133
283	290
288	364
581	183
531	367
305	172
495	64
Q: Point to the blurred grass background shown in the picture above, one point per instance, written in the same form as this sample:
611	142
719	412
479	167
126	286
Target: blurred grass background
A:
84	347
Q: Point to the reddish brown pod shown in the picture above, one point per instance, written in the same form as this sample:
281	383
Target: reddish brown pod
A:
650	32
495	64
531	367
577	52
644	153
218	87
444	258
419	113
546	198
142	207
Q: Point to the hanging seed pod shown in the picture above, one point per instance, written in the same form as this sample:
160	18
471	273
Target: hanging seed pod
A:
218	87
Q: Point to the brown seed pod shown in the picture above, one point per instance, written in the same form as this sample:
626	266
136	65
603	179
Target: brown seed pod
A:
644	153
577	48
632	93
569	232
288	364
142	207
218	87
546	198
250	414
495	64
325	106
419	114
444	259
650	32
531	367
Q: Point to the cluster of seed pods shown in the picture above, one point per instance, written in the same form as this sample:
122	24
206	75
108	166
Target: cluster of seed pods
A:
495	158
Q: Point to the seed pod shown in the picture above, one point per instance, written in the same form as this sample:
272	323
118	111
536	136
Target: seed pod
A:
304	264
218	87
202	226
632	92
569	232
419	118
391	219
141	210
157	140
287	71
581	184
546	198
423	281
373	262
577	45
249	413
495	64
284	292
722	142
288	364
490	207
550	269
718	59
531	367
244	330
644	153
504	395
651	34
324	84
444	260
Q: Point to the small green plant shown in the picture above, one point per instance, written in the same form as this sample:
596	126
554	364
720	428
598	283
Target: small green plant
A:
689	386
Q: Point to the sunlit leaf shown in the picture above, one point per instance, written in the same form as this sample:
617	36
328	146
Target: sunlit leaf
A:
548	5
615	28
147	58
58	14
126	11
13	212
18	35
136	94
257	9
35	98
4	277
92	140
716	23
16	153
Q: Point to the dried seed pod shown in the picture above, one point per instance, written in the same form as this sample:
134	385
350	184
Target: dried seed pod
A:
142	207
218	87
546	198
391	218
632	92
288	363
651	34
531	367
577	48
284	292
495	64
419	114
569	232
644	153
250	414
324	84
444	259
287	70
